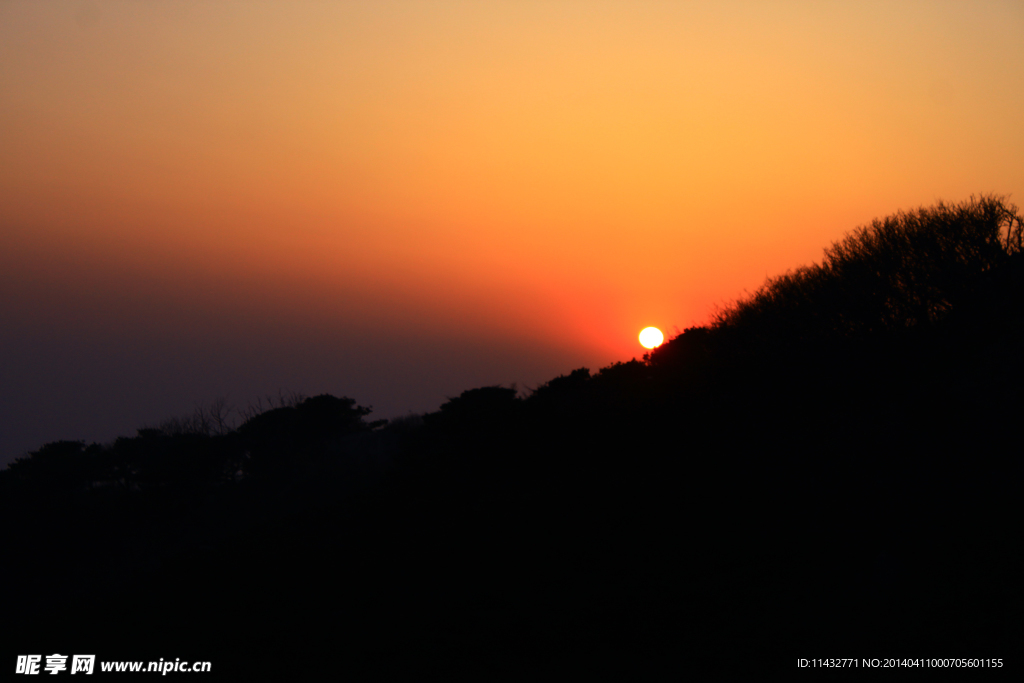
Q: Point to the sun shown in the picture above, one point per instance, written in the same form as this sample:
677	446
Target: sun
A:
651	337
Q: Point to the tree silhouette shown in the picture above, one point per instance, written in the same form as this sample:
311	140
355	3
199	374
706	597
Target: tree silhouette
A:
282	439
908	270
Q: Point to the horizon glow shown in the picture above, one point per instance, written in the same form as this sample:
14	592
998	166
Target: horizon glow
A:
394	201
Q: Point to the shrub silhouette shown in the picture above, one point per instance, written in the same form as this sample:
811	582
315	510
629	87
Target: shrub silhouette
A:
485	411
154	459
59	469
564	396
480	403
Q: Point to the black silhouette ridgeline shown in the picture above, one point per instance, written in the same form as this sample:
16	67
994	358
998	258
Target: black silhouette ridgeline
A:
830	468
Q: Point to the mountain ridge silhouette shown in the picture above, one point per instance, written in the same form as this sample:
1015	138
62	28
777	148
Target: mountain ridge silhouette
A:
830	466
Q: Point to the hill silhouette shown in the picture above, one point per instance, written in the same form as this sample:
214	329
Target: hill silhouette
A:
830	468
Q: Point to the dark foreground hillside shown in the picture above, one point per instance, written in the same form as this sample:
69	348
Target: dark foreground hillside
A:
831	469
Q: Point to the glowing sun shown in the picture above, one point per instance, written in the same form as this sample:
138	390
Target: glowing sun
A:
651	337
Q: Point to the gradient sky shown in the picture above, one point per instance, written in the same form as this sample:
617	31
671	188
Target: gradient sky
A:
397	201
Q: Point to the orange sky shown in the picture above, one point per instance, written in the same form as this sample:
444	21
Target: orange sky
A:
543	177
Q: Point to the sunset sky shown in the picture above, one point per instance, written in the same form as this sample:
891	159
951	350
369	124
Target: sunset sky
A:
397	201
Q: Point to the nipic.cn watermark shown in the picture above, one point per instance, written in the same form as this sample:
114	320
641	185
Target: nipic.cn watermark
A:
33	665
